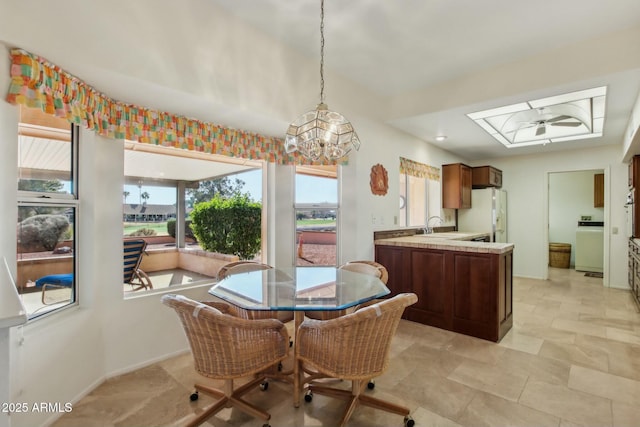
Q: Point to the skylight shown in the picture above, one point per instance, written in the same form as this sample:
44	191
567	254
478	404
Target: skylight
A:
566	117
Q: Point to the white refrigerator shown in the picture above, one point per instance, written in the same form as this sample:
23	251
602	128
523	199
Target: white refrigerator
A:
488	214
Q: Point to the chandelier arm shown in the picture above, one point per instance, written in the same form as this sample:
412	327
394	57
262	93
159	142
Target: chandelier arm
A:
322	51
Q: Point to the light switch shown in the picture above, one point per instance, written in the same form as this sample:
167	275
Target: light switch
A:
614	230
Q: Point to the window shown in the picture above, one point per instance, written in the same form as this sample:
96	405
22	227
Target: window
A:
413	207
420	193
161	187
316	213
47	212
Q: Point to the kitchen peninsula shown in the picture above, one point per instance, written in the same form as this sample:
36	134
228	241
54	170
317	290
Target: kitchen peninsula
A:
462	285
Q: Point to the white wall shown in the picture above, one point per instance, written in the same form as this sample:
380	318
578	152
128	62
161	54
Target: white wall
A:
526	180
571	197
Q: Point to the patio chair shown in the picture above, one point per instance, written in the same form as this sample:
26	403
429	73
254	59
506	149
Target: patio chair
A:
353	347
54	281
133	274
226	347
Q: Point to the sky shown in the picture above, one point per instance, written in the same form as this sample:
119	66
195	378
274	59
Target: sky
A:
308	189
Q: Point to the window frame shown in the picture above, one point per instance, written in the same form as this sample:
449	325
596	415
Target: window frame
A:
320	172
25	198
409	201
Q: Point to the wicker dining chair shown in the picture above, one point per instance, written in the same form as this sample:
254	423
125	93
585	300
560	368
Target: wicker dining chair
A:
371	268
353	347
227	347
238	267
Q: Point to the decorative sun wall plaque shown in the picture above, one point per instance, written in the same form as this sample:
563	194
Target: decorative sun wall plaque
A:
379	180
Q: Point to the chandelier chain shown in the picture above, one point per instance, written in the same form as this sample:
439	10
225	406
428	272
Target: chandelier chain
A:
322	51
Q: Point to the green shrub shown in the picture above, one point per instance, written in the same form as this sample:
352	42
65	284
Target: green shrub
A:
143	232
230	226
42	232
171	229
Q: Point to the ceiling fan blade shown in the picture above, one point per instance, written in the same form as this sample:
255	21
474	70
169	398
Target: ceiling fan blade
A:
559	118
518	129
570	124
541	129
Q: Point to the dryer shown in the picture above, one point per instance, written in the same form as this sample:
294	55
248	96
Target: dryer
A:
590	246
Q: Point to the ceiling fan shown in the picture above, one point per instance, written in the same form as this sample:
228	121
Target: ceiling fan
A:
541	125
541	118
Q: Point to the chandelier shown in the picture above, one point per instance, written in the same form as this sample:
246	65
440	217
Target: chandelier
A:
321	132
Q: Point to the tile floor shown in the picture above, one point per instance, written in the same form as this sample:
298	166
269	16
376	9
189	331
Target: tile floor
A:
571	359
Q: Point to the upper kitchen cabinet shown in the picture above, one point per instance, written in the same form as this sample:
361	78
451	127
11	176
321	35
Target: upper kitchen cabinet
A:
456	186
486	176
634	171
598	190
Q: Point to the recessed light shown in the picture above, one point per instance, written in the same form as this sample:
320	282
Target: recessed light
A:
441	138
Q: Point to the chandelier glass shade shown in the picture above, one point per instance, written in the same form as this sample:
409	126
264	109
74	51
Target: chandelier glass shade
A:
321	133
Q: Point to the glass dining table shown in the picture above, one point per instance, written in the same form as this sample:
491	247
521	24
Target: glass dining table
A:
299	289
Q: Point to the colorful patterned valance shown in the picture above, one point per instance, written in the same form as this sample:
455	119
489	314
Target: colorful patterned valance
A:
36	83
419	170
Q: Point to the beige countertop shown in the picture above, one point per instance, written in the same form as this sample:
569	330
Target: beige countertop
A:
448	241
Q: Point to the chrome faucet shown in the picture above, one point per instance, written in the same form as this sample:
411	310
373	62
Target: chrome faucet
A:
428	229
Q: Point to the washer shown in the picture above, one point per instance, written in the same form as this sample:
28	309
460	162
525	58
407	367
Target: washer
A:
590	246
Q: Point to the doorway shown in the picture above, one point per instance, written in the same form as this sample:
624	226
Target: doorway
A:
577	200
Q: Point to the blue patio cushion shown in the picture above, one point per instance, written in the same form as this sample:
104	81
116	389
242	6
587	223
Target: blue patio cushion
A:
56	279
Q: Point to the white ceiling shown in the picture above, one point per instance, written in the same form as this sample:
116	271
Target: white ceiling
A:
434	61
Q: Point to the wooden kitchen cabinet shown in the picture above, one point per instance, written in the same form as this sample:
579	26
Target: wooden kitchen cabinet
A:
634	189
465	292
634	172
486	176
634	270
456	186
598	190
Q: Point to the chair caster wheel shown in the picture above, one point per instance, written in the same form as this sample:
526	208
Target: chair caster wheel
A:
194	396
371	385
290	343
280	366
408	421
266	425
308	396
264	386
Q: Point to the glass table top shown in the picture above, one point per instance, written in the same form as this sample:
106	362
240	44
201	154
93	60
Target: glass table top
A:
301	288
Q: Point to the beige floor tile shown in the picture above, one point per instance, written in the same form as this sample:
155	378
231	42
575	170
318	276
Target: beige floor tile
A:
547	333
612	322
592	358
425	418
440	395
579	327
602	384
574	406
421	359
523	307
474	348
625	415
486	410
632	337
624	358
490	378
525	343
539	368
582	309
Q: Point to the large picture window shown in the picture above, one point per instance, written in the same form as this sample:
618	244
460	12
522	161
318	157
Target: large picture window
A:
316	213
47	212
162	186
